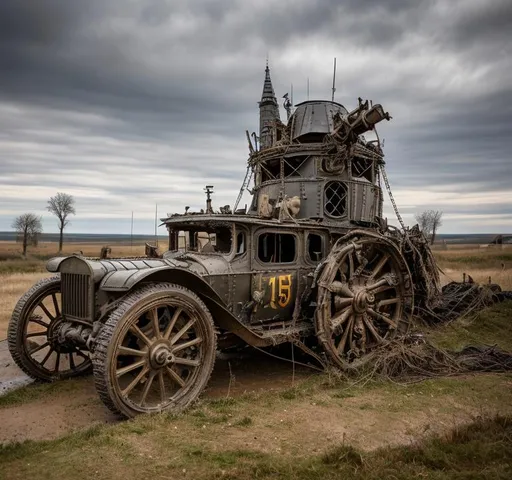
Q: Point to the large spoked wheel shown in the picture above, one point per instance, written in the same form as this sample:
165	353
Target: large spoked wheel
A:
33	336
365	297
155	352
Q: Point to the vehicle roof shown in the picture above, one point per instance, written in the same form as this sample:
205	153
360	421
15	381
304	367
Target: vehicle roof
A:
218	219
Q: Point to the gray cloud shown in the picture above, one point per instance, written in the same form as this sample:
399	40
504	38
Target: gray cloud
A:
128	103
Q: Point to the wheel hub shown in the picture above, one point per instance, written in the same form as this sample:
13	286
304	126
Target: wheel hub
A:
161	355
362	300
57	339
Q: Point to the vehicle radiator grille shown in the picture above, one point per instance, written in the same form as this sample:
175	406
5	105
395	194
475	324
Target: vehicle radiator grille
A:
75	295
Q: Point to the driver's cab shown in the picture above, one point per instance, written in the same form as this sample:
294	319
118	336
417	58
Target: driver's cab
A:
209	238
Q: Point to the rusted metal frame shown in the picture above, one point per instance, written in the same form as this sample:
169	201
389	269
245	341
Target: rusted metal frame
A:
295	169
268	171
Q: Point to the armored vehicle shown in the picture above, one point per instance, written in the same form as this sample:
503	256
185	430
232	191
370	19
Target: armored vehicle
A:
312	261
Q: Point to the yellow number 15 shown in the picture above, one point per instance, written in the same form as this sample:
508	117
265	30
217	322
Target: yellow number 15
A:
284	290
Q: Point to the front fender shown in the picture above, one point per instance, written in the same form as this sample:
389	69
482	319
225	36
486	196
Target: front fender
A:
123	281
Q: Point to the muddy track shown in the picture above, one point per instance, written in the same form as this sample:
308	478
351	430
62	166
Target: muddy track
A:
62	412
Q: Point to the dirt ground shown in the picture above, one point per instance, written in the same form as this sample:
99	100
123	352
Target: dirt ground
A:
280	418
279	415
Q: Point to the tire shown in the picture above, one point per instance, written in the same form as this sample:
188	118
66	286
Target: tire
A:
36	315
167	334
365	297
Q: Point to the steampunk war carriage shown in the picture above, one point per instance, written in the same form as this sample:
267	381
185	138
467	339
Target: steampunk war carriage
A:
310	261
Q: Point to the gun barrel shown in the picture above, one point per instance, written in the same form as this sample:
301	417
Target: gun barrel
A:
365	119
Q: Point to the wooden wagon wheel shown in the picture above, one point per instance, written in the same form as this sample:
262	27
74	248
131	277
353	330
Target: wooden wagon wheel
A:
155	352
365	296
33	336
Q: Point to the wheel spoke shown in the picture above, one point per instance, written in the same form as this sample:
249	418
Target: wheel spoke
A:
36	334
40	347
184	345
131	351
341	288
340	319
57	363
78	352
343	341
172	322
186	361
341	303
175	377
351	343
379	315
36	319
135	381
139	333
121	371
362	329
379	265
383	282
372	330
153	314
47	356
162	385
389	301
146	388
71	361
56	305
46	311
183	331
381	289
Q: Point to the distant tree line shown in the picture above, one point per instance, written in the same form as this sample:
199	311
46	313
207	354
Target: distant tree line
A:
29	226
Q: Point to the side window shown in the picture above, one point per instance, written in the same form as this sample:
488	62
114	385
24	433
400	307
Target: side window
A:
276	247
241	245
315	247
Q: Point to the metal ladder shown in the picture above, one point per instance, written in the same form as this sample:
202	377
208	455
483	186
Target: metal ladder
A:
245	185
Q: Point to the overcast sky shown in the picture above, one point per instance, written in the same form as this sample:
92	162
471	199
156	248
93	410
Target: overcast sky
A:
125	104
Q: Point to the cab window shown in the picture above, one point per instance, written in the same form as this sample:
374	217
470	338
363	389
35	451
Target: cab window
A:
315	247
241	245
276	247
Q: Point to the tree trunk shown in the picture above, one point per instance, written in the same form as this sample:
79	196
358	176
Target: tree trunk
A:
25	241
60	238
433	238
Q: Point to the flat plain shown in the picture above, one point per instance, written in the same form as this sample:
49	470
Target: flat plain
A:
262	418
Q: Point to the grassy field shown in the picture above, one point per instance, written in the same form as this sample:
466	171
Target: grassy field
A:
319	428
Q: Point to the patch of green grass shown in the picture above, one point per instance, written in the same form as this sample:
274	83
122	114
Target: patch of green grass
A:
244	422
36	391
21	266
491	326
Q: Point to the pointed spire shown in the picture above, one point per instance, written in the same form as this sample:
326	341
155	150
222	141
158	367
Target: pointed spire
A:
268	94
269	110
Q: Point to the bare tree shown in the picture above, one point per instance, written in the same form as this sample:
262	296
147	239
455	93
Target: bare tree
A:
28	226
429	222
62	205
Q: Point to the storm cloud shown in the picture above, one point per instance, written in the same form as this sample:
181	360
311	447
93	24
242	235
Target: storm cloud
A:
128	104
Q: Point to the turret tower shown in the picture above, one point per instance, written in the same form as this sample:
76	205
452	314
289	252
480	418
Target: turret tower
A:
269	111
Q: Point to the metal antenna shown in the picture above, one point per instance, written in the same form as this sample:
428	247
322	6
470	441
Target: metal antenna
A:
334	80
156	224
291	94
131	234
308	88
208	190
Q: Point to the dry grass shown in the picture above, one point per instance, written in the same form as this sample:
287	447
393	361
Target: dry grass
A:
481	263
12	287
17	274
12	250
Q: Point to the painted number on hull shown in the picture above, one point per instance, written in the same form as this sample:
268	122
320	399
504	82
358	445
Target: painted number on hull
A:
280	294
